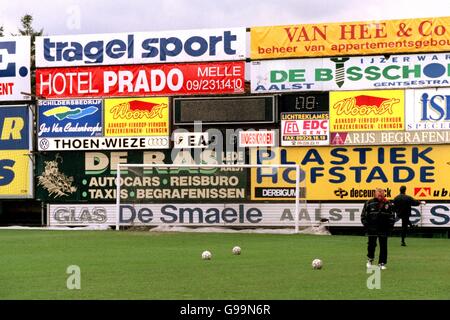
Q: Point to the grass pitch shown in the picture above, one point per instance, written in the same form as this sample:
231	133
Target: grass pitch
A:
145	265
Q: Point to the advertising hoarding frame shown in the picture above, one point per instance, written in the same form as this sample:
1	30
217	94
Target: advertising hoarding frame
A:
45	143
375	138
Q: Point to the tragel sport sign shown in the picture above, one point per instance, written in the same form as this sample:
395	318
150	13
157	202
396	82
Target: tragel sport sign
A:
141	47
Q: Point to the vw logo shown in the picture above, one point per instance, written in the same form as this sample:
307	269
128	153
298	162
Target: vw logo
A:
44	144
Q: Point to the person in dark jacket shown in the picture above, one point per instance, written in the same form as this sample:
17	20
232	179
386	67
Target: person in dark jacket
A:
403	204
378	217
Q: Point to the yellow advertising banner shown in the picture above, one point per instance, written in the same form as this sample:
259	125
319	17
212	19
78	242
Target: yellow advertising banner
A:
375	110
15	174
352	173
134	117
351	38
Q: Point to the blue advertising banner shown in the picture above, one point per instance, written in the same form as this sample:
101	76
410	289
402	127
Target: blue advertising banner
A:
70	118
14	128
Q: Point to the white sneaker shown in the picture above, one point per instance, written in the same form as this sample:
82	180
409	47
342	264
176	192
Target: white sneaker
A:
382	266
369	263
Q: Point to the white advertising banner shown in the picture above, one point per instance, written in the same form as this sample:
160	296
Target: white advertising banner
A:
141	47
15	68
389	137
248	214
305	129
427	109
351	73
103	143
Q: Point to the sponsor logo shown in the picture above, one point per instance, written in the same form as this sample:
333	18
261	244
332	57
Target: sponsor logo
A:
44	144
141	80
368	193
338	138
103	143
174	214
279	192
312	129
367	110
422	192
7	66
435	107
354	73
256	138
124	47
65	112
387	137
70	129
349	38
163	141
136	117
276	214
191	140
330	173
341	193
309	127
391	70
291	127
365	105
80	215
70	118
136	109
14	68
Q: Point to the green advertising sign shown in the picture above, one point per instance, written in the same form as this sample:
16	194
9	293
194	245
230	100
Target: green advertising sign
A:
91	177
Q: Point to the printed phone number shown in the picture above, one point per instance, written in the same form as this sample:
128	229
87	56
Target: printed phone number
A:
207	85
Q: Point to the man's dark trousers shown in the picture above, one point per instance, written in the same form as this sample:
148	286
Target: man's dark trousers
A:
405	223
383	248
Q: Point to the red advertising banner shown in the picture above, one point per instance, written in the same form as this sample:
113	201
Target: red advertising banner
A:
140	80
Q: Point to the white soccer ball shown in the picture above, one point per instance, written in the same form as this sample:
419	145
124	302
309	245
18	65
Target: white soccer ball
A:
317	264
206	255
237	250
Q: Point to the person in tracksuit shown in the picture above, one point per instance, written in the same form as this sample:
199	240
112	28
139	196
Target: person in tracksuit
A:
378	217
403	204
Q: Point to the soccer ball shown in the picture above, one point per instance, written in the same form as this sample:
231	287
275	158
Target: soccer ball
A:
206	255
317	264
237	250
